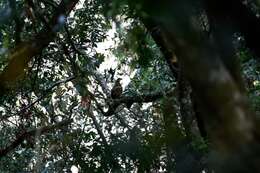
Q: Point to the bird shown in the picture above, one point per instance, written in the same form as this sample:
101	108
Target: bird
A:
117	89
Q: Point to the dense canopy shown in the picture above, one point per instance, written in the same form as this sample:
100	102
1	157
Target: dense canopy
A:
129	86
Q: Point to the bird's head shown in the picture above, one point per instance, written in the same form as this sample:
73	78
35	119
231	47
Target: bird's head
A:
118	80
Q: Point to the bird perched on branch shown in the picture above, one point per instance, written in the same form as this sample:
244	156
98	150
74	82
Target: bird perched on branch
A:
117	90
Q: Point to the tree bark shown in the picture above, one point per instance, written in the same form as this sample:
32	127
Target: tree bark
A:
225	109
21	55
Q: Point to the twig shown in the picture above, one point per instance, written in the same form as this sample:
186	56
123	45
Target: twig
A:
24	135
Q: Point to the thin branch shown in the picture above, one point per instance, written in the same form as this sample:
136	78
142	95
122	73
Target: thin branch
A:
46	92
101	134
24	135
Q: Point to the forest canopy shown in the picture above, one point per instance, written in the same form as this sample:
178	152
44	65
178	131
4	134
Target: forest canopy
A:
129	86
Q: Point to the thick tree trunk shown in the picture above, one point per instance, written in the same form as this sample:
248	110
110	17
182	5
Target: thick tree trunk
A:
225	109
170	57
22	54
157	35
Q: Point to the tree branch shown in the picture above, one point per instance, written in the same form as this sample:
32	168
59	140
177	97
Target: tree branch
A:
47	92
24	52
144	98
24	135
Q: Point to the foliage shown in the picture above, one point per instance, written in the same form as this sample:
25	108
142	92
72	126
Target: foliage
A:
59	112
